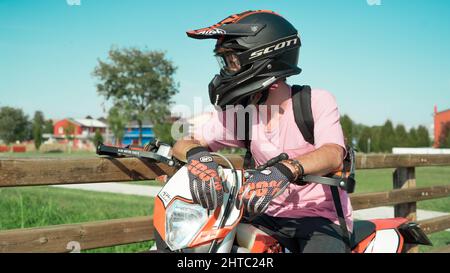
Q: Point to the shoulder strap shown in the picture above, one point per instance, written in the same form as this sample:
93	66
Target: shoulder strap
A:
301	102
249	162
341	218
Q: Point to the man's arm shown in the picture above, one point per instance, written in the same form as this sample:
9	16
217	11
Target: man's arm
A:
322	161
209	132
182	146
328	136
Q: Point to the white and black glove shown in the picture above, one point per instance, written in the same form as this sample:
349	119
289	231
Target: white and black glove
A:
262	187
204	180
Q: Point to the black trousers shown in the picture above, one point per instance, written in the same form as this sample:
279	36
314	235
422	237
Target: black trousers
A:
303	235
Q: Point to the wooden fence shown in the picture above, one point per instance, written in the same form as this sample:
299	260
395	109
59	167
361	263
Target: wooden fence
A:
90	235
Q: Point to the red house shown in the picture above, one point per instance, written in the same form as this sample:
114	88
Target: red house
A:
81	130
440	118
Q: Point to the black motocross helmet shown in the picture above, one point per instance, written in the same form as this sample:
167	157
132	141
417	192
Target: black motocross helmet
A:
254	49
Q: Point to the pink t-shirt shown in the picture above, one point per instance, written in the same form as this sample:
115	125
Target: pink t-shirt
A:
312	200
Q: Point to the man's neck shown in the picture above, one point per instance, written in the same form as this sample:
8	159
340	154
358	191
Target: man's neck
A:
279	95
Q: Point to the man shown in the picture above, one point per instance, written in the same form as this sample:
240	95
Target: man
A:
257	51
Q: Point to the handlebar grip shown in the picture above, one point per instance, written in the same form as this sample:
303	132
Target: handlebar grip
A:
273	161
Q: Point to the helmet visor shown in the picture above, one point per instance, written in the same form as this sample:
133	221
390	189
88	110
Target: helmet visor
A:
228	62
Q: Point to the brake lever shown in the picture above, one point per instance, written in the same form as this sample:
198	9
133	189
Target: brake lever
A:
273	161
121	152
269	163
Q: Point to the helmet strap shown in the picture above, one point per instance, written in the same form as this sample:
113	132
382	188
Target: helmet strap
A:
265	95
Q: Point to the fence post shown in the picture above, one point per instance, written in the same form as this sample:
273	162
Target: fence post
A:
405	177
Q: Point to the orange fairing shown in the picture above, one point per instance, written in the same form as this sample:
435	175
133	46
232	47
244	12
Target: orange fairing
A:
341	174
206	234
392	224
265	244
159	214
229	20
159	217
381	224
400	243
389	223
362	246
209	232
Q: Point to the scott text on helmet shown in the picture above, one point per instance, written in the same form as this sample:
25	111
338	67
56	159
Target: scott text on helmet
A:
275	47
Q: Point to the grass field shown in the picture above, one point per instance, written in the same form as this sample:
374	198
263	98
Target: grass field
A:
43	206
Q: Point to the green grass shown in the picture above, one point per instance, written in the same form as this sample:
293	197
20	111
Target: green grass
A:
44	206
145	183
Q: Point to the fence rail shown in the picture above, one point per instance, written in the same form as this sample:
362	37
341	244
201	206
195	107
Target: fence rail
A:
91	235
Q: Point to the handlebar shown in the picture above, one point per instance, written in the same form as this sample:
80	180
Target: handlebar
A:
273	161
160	153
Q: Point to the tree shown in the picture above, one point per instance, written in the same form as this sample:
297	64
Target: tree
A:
98	138
38	127
117	121
376	139
444	137
163	132
387	137
347	127
357	132
140	81
48	127
29	130
423	138
363	141
14	125
401	136
412	137
69	131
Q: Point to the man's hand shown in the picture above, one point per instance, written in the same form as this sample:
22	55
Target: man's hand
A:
262	187
182	146
204	181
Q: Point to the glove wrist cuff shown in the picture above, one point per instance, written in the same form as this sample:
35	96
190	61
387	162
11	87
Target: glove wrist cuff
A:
196	150
285	171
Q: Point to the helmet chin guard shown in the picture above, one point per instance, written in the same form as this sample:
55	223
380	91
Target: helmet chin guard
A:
255	48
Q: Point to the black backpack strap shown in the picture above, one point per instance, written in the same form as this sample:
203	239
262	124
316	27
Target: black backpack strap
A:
341	217
342	183
249	162
301	102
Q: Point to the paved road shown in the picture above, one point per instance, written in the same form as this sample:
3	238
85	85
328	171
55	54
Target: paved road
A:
388	212
152	191
141	190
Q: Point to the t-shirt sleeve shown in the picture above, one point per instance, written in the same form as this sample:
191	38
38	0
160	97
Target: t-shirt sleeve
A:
327	126
216	131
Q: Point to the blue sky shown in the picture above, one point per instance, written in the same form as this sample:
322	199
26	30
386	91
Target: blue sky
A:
380	61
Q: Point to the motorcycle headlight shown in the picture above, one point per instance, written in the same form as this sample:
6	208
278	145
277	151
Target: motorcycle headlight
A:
183	221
